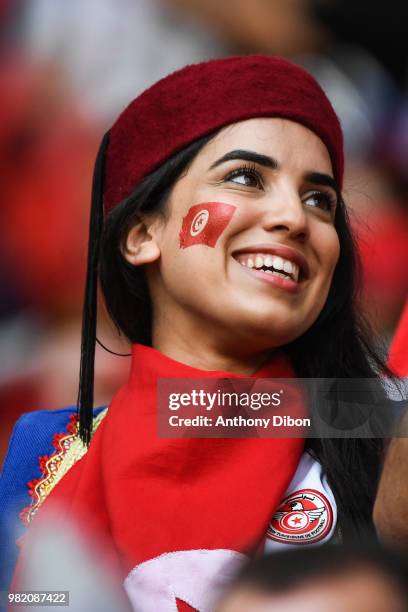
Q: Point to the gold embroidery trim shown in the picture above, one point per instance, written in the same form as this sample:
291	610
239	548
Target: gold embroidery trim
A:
69	449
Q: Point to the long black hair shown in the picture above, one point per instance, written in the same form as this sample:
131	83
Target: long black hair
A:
338	345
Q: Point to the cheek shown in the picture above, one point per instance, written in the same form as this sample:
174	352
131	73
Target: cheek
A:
329	250
335	252
204	223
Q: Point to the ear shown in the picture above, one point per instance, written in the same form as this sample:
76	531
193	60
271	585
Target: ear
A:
140	246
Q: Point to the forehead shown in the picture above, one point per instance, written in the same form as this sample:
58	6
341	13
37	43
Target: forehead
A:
284	140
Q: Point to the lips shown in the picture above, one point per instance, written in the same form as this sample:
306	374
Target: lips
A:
277	260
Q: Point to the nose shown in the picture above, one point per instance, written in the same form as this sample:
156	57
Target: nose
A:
285	212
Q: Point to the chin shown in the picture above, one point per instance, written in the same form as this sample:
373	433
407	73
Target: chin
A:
269	331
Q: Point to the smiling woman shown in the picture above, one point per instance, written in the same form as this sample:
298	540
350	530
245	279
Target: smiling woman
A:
223	250
238	313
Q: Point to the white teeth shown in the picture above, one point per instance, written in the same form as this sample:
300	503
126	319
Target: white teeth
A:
278	263
259	262
287	267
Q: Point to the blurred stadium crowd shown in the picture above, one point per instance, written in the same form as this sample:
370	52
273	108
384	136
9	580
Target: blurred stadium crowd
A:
66	71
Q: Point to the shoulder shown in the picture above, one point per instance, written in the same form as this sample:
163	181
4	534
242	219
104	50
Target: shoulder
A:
33	436
33	431
38	446
36	436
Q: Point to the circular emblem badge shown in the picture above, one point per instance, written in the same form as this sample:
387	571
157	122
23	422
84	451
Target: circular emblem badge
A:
303	517
199	222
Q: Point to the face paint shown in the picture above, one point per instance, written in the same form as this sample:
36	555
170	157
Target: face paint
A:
204	223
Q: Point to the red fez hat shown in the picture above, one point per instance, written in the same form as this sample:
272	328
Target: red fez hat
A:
201	98
179	109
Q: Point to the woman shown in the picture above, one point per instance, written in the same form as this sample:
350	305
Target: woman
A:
225	252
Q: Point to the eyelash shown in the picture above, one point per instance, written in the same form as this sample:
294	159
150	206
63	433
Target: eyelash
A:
249	170
329	201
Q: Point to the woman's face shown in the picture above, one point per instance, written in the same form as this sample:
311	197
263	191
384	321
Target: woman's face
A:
247	251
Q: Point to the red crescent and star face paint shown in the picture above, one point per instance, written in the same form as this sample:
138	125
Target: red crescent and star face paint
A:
204	223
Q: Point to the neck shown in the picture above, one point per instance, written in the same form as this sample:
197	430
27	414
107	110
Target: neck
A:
210	355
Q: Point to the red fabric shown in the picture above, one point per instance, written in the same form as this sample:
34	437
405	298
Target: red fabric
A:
398	359
202	98
149	496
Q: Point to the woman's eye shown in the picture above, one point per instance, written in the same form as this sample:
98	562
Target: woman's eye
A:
320	199
249	177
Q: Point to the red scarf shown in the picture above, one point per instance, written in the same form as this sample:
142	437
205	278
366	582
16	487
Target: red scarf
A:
210	498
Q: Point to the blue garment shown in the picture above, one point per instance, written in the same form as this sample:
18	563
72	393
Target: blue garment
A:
31	438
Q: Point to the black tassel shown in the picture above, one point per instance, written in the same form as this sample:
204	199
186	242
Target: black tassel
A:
89	314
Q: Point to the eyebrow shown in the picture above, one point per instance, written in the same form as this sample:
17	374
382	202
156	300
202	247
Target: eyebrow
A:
317	178
251	156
